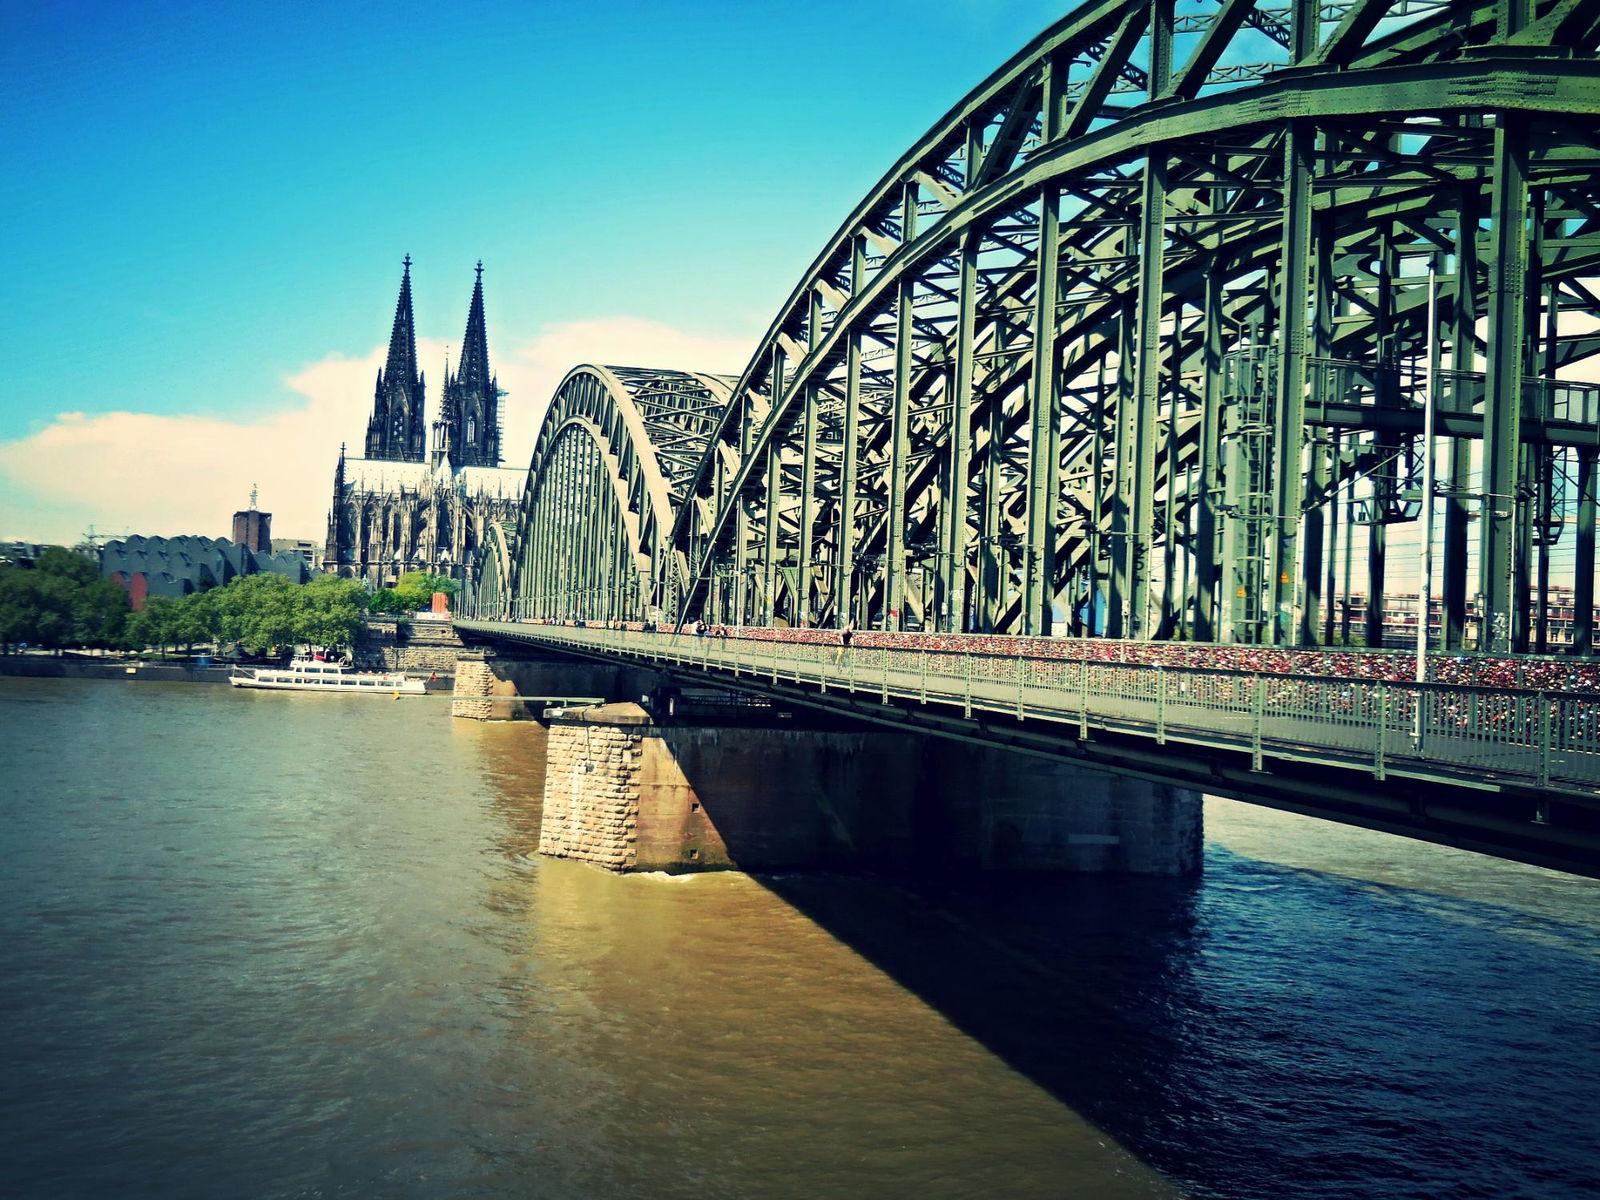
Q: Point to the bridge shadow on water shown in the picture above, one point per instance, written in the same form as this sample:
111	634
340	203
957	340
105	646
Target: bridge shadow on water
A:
1409	1023
1264	1030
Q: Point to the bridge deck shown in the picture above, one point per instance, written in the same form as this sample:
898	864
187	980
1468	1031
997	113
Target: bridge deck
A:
1535	747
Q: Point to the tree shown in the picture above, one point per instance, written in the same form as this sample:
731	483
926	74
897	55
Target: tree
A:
99	612
36	607
387	600
416	588
328	611
60	601
19	605
59	563
153	626
194	619
257	611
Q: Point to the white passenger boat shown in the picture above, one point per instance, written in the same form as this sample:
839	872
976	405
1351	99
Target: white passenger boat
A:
305	675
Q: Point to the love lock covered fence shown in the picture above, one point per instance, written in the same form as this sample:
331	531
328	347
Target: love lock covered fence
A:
1538	739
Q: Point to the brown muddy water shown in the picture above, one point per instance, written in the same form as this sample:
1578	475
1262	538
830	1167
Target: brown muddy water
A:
276	945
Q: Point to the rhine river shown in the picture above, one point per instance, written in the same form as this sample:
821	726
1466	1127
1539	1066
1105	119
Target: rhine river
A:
255	945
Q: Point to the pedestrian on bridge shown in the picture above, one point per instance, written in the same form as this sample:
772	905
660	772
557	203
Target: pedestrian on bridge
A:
845	636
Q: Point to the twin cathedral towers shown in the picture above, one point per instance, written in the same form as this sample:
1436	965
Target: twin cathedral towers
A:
467	433
406	505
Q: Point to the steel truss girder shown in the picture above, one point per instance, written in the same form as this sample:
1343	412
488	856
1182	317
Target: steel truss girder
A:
919	436
611	462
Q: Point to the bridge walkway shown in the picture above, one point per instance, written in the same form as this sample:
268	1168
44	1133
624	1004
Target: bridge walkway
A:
1547	740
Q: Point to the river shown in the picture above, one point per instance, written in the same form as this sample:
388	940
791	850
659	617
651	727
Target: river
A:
291	946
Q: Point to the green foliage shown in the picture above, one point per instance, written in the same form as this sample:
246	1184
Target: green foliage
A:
258	612
59	563
416	588
387	600
154	624
328	611
60	601
412	592
99	614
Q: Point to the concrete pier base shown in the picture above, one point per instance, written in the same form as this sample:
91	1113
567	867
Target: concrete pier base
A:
630	795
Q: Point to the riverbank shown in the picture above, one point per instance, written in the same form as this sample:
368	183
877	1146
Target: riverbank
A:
40	666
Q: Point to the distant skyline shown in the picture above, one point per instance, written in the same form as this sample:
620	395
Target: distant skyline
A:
206	208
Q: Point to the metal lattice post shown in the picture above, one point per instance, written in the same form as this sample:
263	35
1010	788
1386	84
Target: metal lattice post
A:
954	565
1380	751
894	563
844	582
1083	699
1289	480
1545	704
1502	422
1044	438
1258	705
1583	577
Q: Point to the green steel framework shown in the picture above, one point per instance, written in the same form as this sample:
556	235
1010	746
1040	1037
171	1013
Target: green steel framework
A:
1136	337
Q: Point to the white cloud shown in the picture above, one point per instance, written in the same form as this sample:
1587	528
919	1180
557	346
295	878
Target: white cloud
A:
155	474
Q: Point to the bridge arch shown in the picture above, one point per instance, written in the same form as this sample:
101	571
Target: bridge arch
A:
610	467
1141	327
488	585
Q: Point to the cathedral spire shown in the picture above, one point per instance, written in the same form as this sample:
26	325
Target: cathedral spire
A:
472	396
474	365
402	362
396	428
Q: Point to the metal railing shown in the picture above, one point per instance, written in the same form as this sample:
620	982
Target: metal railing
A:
1542	739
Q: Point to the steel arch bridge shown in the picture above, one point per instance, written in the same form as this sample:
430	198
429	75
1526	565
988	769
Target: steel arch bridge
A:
1140	339
611	468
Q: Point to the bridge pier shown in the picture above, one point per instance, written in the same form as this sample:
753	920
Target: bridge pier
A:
629	794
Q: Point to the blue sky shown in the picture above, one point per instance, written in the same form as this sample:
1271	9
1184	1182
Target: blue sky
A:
200	199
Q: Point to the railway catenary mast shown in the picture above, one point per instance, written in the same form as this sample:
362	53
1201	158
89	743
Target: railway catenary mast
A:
1132	340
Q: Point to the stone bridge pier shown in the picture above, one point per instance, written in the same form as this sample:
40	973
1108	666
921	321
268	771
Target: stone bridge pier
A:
704	781
632	794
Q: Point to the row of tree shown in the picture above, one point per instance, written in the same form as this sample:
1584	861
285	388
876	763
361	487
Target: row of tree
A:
61	601
258	612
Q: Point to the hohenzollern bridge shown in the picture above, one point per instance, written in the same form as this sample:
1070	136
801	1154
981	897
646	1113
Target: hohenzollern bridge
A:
1128	415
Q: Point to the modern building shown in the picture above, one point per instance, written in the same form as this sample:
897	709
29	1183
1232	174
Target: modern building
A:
176	566
306	548
405	505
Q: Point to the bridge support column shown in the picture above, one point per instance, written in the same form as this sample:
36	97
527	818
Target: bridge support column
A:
625	793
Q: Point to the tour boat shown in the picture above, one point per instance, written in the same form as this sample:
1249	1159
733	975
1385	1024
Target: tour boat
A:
304	675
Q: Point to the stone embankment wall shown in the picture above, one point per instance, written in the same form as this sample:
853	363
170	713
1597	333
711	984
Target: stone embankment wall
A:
628	795
40	666
414	646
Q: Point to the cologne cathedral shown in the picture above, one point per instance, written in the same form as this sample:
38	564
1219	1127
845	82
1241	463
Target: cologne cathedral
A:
406	505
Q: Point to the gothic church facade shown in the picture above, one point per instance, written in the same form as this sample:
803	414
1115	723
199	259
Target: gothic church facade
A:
411	503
